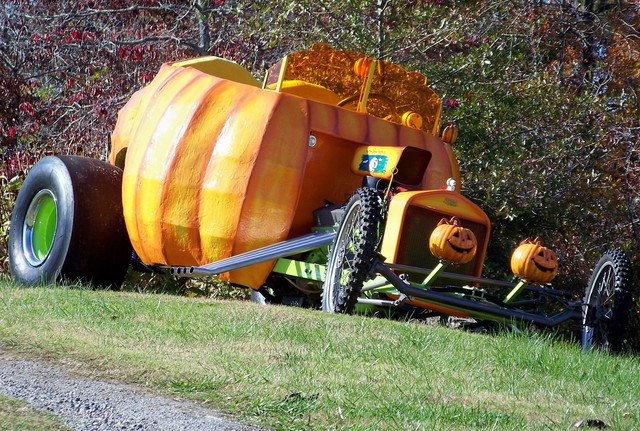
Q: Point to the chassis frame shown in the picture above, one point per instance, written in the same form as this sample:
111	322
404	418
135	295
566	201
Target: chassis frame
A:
470	301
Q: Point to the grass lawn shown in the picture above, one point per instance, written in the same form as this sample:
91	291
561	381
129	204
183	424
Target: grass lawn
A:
295	369
16	415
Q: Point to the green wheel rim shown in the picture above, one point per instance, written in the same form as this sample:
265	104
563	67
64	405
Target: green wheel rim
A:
39	228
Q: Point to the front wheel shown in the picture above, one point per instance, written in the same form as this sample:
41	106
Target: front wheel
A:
352	251
607	302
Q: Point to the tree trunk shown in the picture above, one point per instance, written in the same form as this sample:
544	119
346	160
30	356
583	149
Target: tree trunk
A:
204	34
381	42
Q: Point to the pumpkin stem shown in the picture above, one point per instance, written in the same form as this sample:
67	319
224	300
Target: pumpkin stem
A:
535	241
452	221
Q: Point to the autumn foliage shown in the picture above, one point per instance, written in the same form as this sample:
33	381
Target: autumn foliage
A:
545	94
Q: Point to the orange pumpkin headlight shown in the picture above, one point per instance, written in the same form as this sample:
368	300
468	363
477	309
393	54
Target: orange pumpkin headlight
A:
451	242
362	65
412	119
533	262
450	134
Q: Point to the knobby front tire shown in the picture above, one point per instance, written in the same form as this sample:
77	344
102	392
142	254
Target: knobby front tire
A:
607	303
352	251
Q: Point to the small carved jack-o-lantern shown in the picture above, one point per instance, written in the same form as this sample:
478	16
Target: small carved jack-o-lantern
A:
362	65
451	242
533	262
412	119
450	134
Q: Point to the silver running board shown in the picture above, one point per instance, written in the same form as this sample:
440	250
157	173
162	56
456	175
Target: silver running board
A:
270	252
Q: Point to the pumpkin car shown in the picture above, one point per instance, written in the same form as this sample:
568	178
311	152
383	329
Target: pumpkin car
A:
328	184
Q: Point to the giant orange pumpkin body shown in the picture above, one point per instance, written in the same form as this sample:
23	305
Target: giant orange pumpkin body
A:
215	167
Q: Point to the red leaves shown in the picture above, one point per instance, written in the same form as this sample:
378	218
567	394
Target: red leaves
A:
70	36
26	109
73	36
101	110
134	53
450	103
17	163
146	77
76	36
37	38
96	91
472	42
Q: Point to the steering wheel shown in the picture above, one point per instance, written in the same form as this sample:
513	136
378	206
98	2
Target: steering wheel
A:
393	116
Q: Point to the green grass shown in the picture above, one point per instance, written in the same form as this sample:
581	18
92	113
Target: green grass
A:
296	369
17	415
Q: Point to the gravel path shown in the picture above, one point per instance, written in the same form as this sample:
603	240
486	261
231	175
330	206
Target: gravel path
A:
90	405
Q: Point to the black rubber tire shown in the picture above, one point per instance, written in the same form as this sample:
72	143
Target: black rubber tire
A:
351	253
608	302
90	243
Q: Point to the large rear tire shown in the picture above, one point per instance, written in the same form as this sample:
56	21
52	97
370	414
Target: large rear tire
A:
607	303
68	223
352	251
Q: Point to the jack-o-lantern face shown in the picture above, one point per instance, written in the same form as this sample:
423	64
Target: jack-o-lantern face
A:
533	262
451	242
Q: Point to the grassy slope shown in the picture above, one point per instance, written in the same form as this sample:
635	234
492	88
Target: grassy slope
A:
300	369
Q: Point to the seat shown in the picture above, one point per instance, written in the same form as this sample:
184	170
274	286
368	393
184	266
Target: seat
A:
308	90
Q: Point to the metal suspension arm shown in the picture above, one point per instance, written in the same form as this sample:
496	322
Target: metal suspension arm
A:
285	248
473	306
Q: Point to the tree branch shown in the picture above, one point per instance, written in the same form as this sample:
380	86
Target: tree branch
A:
94	12
175	39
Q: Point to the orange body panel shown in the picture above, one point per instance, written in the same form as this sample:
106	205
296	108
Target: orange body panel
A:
215	168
